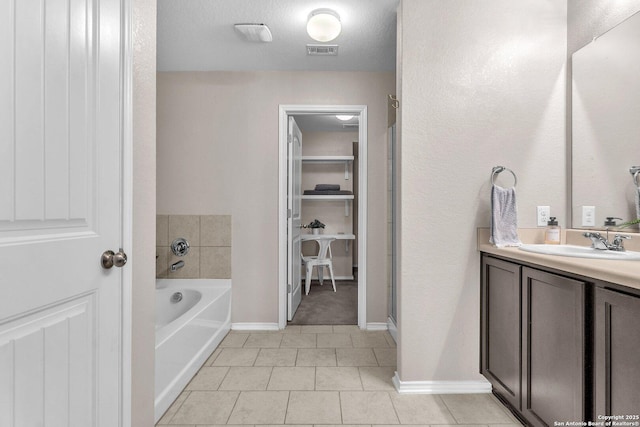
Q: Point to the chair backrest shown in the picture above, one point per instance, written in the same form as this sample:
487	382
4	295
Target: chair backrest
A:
324	246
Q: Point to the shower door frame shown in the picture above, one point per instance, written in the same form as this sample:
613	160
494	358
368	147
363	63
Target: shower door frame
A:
284	112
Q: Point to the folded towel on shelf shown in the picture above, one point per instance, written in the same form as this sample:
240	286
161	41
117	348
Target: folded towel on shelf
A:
504	217
327	193
327	187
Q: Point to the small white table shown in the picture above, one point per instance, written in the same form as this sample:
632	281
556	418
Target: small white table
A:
345	237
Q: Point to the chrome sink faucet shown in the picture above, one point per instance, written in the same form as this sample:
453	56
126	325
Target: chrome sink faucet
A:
597	241
618	242
601	243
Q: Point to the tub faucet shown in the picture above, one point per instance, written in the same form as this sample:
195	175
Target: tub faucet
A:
176	265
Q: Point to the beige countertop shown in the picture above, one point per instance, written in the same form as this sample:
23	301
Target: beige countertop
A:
625	273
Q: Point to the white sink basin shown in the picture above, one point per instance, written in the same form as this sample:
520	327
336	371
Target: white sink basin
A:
580	252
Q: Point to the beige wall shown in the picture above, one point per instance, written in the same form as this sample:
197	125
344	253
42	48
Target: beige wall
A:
483	84
144	209
218	155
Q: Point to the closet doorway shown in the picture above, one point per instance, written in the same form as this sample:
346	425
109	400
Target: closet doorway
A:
318	144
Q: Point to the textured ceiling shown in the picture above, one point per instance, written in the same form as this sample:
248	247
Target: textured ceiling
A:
198	35
325	123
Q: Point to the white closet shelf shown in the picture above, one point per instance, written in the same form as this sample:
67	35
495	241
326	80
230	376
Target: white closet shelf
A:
328	198
327	159
331	159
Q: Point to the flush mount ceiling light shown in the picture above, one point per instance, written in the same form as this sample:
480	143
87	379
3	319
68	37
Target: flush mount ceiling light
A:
344	117
258	33
324	25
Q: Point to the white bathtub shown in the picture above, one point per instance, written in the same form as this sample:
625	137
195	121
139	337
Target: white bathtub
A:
187	332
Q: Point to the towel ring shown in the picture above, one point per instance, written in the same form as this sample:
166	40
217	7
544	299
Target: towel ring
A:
635	172
497	169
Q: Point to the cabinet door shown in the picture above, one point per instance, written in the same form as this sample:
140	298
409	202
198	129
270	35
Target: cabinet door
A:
500	328
553	348
617	347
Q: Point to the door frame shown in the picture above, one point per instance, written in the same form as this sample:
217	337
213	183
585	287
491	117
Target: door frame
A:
361	237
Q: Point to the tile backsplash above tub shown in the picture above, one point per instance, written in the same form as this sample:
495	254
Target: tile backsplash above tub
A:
209	237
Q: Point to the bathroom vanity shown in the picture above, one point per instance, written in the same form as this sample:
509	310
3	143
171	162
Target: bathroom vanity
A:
560	337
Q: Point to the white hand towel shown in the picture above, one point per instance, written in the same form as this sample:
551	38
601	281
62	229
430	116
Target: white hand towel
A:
504	217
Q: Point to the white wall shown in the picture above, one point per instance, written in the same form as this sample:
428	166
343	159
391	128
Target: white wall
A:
482	84
218	155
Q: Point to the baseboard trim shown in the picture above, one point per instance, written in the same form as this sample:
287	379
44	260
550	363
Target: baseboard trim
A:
376	326
248	326
440	387
393	330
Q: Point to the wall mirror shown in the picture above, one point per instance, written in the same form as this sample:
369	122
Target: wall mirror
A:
606	125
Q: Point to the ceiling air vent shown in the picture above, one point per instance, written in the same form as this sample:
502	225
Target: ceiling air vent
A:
322	49
254	32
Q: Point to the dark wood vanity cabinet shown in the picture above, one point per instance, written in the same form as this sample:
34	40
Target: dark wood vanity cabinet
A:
617	353
501	332
553	338
533	341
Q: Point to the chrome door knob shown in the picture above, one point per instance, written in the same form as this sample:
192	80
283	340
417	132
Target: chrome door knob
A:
109	259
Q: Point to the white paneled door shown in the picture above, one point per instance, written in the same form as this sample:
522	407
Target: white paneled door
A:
61	149
294	208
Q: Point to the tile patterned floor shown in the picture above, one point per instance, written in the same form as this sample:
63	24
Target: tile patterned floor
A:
317	376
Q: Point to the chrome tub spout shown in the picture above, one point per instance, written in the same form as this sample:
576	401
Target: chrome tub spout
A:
176	265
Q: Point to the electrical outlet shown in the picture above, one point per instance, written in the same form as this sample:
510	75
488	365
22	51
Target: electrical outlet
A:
543	215
588	216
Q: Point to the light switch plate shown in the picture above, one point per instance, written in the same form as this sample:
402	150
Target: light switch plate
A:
588	216
543	215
